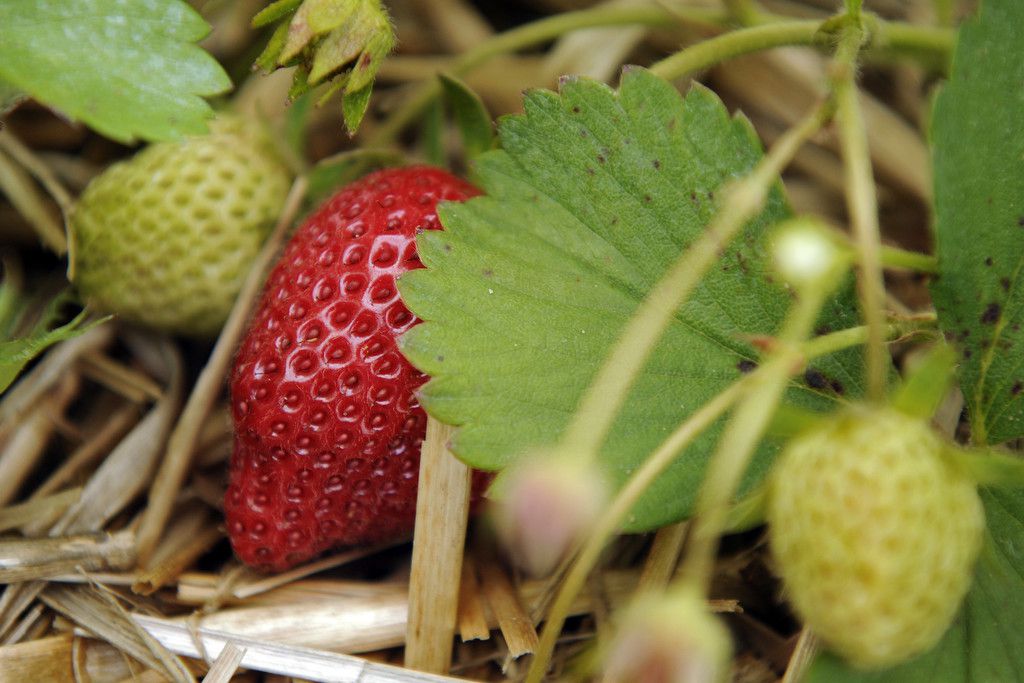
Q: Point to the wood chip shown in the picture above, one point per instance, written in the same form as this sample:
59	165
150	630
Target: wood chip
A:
472	618
516	626
442	514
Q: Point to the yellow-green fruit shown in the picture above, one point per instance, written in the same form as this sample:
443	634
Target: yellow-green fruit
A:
165	239
875	533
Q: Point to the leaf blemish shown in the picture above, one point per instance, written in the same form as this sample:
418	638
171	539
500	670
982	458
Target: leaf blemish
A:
746	365
1004	282
814	379
656	164
991	313
1016	388
988	261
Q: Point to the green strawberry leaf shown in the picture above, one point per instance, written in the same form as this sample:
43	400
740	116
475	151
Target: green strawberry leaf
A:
593	195
978	145
471	117
127	69
15	354
985	642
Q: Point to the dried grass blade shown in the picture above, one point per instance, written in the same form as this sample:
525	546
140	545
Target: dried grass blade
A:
193	533
102	616
119	378
46	508
341	625
98	445
46	659
272	657
512	618
21	454
197	589
29	559
472	618
226	664
442	514
22	192
247	589
663	557
125	473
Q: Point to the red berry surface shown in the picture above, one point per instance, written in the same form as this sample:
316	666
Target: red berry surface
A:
327	425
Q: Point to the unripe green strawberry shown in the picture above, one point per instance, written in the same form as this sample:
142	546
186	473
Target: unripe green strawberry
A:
875	532
165	239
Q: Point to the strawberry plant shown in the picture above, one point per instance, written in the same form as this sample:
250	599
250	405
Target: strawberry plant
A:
624	278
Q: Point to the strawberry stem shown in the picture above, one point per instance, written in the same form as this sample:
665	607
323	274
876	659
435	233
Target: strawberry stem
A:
861	202
736	43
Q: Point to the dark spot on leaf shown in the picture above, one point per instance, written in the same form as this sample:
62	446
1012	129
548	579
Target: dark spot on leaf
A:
815	379
1020	221
487	272
837	386
575	110
440	359
746	365
615	220
693	197
967	353
991	313
711	194
1016	388
583	133
447	247
647	199
988	261
1004	282
672	123
590	171
656	163
600	158
822	330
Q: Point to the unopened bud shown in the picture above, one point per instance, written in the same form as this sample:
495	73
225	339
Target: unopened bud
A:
803	252
549	505
669	638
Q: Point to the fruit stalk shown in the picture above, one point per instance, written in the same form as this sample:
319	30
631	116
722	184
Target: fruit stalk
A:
861	202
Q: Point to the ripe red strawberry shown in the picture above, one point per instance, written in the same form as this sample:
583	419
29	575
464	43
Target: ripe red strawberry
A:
327	427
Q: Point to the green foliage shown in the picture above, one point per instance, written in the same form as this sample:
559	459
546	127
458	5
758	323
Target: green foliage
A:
591	198
978	139
16	353
471	117
985	643
126	70
340	43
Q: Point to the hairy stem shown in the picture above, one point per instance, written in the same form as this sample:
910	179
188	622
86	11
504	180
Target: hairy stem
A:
744	431
736	43
862	204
